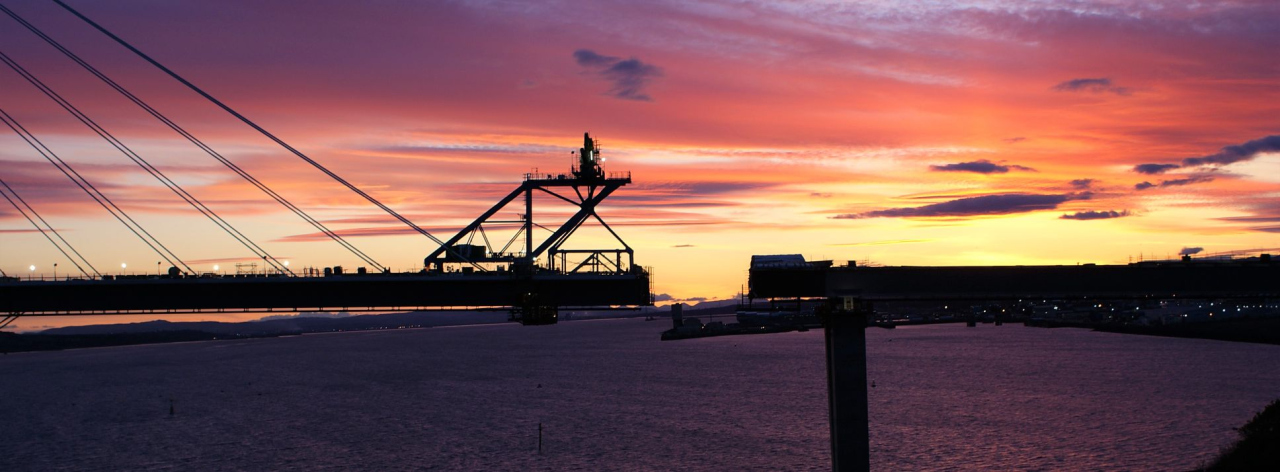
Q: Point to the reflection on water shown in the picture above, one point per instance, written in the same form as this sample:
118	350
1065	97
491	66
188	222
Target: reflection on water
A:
611	396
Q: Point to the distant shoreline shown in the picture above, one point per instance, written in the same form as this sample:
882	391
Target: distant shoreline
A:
15	343
160	332
1256	331
1245	330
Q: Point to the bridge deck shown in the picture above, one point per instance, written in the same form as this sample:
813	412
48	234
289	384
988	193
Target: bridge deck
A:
346	292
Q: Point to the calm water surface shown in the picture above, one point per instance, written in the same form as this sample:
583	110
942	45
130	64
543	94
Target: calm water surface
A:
610	396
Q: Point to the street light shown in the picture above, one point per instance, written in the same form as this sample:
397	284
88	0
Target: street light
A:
215	267
122	267
33	272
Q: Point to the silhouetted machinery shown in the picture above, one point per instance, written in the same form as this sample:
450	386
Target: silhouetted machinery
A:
471	248
466	272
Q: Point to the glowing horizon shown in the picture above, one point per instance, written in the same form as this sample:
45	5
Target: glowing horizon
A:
908	133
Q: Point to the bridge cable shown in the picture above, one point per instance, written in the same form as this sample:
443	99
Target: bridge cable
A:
93	192
155	172
174	126
264	132
45	232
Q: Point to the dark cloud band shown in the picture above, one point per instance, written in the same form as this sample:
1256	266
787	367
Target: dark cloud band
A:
975	206
1082	183
1098	85
1236	153
1152	169
1195	179
980	167
1226	156
1095	215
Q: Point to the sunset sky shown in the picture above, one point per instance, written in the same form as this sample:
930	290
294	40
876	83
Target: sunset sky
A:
899	133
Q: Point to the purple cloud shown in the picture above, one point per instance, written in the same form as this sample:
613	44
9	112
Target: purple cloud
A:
1152	169
981	167
1227	155
589	58
975	206
629	76
1195	179
1082	183
1098	85
1236	153
1095	215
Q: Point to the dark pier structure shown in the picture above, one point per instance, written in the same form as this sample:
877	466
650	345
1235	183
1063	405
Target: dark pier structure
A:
465	272
850	293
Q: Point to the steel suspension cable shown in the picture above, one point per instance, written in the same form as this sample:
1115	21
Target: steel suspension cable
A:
145	165
183	132
45	232
261	130
93	192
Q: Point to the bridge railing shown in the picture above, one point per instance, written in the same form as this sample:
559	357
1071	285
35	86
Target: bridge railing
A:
535	175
